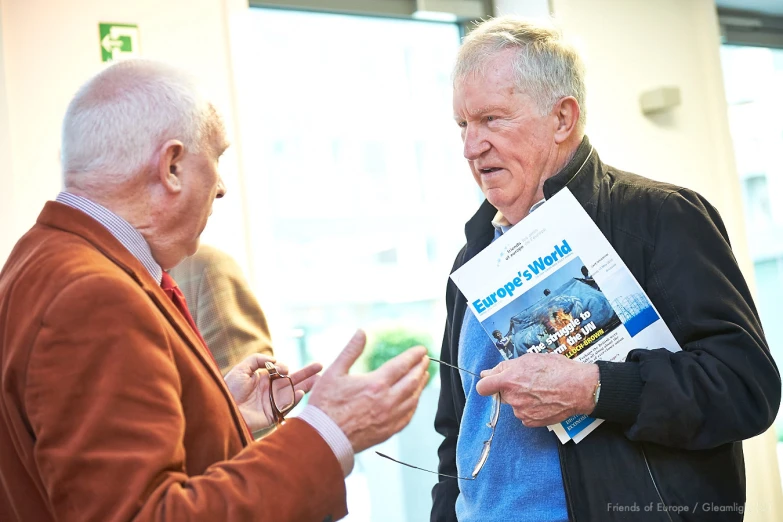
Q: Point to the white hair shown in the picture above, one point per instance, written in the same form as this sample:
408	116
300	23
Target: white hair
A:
546	67
119	118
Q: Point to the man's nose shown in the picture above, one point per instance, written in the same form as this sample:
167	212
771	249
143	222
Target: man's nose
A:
221	188
474	143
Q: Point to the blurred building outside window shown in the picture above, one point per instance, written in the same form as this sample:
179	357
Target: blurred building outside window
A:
357	193
753	78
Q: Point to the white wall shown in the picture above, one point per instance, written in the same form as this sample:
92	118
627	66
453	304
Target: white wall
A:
653	44
51	47
634	45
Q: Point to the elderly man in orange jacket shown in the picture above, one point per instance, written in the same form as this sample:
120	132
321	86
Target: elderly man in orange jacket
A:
111	407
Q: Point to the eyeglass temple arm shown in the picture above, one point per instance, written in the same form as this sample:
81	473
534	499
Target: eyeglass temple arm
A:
455	367
422	469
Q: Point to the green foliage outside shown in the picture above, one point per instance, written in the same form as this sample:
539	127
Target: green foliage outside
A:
387	344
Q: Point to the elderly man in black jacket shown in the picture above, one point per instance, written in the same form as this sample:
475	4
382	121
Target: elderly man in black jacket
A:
670	449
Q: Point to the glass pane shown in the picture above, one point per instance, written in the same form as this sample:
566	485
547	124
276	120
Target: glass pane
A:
754	80
283	395
358	194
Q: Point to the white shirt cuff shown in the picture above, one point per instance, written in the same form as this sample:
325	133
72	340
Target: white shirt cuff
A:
332	434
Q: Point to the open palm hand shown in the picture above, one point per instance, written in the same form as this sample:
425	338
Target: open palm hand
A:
249	384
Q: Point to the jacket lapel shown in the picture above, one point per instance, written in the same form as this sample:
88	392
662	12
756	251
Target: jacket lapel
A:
63	217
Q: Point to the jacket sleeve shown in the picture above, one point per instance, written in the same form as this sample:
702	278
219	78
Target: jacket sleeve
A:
723	386
447	421
103	398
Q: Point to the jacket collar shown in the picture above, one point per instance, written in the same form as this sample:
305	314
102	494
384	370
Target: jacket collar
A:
68	219
582	175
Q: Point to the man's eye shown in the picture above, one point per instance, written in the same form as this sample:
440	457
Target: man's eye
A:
462	124
490	118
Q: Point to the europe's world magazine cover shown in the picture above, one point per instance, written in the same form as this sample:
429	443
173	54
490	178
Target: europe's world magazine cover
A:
554	284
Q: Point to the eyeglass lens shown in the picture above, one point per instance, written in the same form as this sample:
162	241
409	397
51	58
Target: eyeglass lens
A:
488	443
281	392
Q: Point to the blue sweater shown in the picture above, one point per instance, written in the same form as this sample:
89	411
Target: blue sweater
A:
521	479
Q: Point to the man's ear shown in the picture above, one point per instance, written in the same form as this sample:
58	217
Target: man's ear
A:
567	112
169	168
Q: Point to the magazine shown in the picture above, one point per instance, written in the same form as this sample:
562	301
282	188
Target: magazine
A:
554	284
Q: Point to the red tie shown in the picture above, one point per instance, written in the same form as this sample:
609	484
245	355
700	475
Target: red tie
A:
171	289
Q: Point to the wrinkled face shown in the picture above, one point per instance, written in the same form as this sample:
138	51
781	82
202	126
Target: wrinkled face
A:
509	145
202	184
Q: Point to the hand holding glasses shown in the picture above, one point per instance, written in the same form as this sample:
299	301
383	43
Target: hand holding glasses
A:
493	420
282	395
265	397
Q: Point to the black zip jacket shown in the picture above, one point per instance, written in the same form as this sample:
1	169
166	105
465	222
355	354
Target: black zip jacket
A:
671	444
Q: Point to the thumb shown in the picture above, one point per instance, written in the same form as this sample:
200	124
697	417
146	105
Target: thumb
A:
492	371
350	353
488	385
255	361
491	380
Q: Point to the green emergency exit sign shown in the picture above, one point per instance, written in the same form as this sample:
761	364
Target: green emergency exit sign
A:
118	41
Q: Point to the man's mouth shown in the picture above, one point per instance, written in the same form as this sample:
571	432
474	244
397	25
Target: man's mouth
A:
489	170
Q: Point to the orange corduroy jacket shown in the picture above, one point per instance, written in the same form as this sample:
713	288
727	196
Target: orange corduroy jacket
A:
110	409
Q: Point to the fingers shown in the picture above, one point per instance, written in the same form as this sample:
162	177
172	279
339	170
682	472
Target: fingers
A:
497	369
348	356
255	361
396	368
298	396
492	380
398	405
306	385
412	381
407	407
305	373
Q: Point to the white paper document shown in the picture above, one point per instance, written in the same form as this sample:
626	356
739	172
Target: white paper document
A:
553	283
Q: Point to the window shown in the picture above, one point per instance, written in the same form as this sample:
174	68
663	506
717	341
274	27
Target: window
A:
754	80
357	193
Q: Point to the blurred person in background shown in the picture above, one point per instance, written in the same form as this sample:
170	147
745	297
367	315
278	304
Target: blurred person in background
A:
223	306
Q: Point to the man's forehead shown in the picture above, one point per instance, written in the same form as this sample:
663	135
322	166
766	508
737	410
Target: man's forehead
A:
221	142
474	102
486	109
217	130
219	136
480	100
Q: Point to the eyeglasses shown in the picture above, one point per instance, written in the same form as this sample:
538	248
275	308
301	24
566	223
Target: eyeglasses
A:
282	396
493	420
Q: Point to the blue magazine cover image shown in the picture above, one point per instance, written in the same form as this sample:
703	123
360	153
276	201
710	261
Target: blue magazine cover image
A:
543	319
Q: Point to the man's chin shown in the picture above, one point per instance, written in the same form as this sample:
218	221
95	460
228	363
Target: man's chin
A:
497	198
194	247
510	208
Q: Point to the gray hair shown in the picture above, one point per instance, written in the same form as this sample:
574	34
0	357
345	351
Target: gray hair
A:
118	119
546	67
